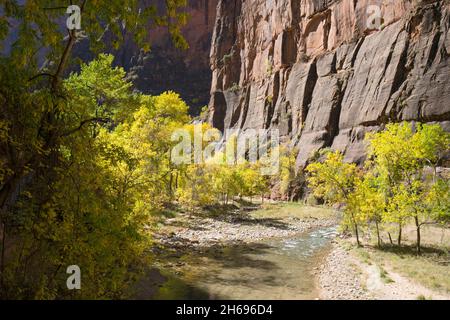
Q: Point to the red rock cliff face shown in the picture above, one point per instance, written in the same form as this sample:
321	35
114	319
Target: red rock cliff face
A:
324	74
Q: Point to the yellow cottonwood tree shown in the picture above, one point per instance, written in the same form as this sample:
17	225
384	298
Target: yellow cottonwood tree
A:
334	181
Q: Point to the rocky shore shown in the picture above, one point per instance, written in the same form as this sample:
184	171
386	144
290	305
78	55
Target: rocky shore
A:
339	277
201	232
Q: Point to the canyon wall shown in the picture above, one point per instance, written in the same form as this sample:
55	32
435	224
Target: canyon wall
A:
165	67
324	72
186	72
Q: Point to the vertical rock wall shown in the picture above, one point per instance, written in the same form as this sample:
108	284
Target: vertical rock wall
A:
166	68
321	73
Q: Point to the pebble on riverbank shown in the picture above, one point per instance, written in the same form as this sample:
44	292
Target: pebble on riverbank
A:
339	279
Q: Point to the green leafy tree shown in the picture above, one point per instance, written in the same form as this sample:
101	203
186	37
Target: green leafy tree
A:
367	203
93	204
69	210
48	130
401	154
33	99
334	181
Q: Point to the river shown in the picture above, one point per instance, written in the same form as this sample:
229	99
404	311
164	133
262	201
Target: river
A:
272	269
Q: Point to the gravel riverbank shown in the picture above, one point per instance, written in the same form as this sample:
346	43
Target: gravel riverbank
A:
339	277
198	231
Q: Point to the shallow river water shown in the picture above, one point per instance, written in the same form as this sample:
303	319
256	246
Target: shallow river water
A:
272	269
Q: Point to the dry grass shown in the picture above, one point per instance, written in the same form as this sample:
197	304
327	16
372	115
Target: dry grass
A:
427	269
294	210
431	269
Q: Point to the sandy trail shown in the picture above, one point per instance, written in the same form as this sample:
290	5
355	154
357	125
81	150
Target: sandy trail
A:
400	288
344	277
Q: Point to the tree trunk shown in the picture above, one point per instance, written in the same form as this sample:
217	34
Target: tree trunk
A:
171	184
357	234
390	238
2	265
418	234
369	231
378	233
356	230
10	190
399	240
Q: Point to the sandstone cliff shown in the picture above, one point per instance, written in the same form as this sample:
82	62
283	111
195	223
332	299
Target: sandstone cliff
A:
323	74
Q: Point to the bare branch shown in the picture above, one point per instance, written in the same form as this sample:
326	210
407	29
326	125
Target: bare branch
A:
41	75
83	123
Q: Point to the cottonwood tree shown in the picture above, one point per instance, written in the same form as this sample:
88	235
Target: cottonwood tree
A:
47	124
399	181
32	98
288	177
366	203
401	154
394	162
334	181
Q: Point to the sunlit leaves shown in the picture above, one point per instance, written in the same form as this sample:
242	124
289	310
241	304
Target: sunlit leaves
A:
400	182
68	172
40	25
333	179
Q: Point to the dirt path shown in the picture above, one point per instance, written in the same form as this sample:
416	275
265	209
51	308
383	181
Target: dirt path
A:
344	277
399	288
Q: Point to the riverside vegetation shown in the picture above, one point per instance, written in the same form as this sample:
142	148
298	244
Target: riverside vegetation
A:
86	172
398	202
398	183
95	201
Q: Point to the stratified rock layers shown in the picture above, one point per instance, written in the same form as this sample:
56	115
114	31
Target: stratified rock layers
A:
321	73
